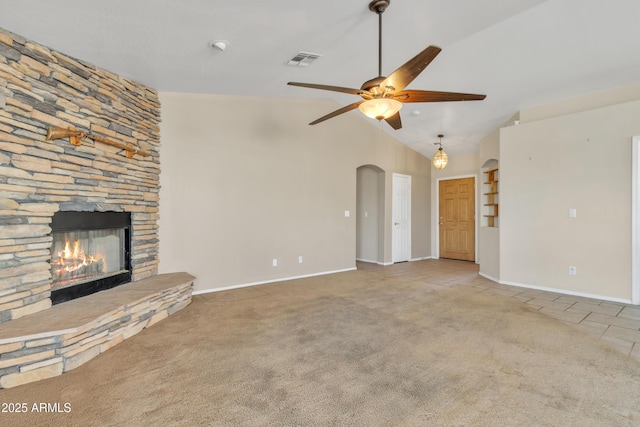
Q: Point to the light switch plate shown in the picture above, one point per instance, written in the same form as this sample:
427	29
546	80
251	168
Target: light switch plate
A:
346	214
572	213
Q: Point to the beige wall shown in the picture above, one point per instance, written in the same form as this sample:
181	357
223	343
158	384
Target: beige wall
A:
420	207
582	161
613	96
246	180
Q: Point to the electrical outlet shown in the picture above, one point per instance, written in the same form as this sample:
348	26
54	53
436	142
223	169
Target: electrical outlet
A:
275	262
300	259
572	270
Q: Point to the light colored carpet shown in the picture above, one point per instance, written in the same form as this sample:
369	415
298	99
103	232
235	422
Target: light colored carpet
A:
361	348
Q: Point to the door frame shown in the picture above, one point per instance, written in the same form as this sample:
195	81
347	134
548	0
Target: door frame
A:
393	199
476	188
635	220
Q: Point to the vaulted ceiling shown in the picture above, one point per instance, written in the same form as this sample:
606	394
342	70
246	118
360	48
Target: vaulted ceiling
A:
520	53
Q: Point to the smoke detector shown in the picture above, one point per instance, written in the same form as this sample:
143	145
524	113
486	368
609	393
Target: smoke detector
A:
220	45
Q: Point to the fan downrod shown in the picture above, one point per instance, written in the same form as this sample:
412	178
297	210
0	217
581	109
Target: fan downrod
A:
379	6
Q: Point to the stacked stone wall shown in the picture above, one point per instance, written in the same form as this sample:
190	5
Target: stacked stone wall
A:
42	88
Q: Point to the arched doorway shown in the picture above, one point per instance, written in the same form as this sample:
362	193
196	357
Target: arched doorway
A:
370	190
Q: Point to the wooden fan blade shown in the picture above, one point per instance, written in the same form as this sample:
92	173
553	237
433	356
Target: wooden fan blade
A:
337	112
395	121
433	96
404	75
327	87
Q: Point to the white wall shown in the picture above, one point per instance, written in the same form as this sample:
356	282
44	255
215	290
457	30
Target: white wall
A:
246	180
582	161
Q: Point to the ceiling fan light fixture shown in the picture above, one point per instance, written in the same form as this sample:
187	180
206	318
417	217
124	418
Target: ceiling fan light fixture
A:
384	96
380	108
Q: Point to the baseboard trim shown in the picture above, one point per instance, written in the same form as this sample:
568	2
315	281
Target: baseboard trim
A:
391	263
385	264
283	279
369	261
486	276
566	292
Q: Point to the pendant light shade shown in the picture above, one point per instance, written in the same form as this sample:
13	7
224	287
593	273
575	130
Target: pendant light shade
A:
380	108
440	159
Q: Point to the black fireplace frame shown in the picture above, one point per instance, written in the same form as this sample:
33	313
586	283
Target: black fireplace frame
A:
77	221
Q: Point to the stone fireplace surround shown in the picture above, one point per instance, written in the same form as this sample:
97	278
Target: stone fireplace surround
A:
42	88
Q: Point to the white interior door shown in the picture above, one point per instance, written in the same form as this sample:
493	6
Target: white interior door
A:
401	217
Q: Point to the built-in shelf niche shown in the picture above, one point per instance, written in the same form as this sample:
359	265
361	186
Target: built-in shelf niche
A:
490	196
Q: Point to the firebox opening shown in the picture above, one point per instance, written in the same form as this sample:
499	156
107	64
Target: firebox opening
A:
90	253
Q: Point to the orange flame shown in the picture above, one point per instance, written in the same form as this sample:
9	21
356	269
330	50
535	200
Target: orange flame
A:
74	260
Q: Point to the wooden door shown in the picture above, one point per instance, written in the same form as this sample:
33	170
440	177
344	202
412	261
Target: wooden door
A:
457	219
401	217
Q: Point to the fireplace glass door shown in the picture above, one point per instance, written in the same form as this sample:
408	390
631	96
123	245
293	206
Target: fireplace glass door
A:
82	256
90	252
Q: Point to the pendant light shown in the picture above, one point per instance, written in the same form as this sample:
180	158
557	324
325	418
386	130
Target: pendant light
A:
441	159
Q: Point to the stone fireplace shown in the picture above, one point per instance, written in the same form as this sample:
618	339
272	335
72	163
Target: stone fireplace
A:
53	192
39	178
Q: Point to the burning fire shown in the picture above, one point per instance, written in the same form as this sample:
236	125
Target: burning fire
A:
74	260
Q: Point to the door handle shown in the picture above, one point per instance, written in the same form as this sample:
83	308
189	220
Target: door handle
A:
396	223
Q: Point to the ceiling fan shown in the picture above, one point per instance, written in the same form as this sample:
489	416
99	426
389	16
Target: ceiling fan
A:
383	96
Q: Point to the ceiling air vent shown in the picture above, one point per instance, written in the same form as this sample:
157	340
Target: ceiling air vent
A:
303	59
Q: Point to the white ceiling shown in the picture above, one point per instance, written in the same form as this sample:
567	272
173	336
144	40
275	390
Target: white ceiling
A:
520	53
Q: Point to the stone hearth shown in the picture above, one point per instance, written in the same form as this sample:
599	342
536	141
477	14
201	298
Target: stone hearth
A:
64	337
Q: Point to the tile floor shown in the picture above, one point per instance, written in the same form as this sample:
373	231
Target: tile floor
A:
617	324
